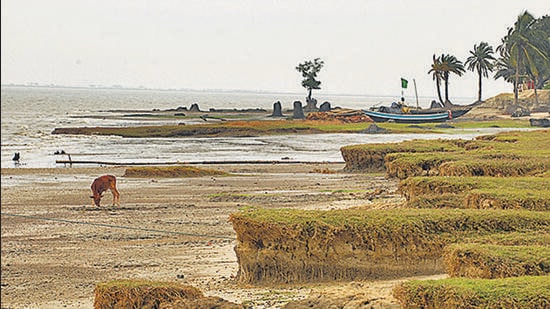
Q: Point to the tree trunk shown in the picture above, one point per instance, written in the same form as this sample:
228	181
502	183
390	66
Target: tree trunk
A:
309	95
447	90
535	78
517	83
438	85
479	85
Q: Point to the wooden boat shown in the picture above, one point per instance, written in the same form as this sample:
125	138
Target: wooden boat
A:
409	115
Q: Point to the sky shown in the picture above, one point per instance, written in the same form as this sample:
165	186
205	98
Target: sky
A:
367	45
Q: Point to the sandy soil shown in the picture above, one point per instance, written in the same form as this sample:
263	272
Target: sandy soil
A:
56	246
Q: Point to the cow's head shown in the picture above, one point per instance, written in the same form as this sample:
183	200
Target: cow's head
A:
97	199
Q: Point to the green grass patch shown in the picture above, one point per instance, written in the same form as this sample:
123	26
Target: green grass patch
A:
517	292
477	192
483	165
496	261
465	163
534	237
505	154
371	157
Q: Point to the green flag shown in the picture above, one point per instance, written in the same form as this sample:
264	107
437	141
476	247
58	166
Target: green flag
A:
404	83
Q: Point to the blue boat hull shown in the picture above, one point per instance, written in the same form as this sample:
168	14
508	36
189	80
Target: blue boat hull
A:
414	118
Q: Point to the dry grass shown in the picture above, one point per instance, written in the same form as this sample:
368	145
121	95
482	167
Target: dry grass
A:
171	172
140	294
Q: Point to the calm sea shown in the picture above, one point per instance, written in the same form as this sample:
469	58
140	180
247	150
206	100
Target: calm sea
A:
30	114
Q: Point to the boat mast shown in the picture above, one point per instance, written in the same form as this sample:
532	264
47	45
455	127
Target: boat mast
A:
415	93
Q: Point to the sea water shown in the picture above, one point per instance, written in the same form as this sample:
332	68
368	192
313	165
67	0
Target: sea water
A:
30	114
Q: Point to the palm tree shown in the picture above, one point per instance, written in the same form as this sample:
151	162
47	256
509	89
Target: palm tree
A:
505	70
437	73
541	29
450	64
520	44
481	60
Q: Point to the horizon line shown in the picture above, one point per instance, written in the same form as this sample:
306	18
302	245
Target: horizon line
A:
222	90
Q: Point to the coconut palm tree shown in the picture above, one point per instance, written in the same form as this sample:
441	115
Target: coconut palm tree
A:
481	60
437	74
542	34
521	44
450	64
505	70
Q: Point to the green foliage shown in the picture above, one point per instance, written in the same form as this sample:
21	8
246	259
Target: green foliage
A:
442	68
309	70
481	60
525	52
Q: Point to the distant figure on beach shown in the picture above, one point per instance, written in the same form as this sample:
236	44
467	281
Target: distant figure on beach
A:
102	184
16	157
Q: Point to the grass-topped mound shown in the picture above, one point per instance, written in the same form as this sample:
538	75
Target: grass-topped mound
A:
517	292
496	261
171	172
288	246
505	154
249	125
477	192
371	157
504	103
153	294
478	163
239	128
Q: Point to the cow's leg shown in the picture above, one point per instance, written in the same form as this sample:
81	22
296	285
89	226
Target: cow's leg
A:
116	196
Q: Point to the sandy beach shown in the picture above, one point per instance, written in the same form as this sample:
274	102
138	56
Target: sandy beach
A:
56	246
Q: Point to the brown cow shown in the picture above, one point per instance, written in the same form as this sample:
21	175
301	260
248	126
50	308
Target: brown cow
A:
102	184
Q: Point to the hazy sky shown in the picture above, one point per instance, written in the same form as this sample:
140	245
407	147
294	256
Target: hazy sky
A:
367	45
